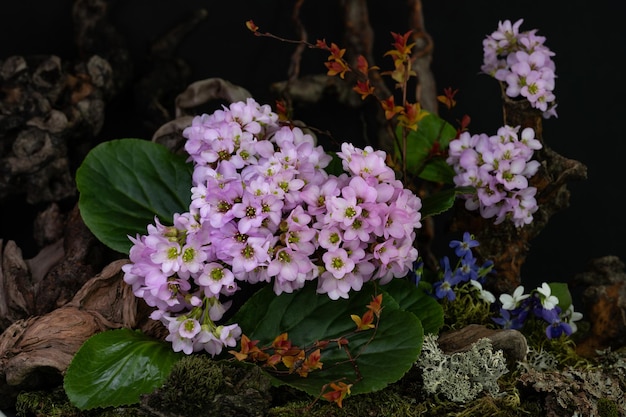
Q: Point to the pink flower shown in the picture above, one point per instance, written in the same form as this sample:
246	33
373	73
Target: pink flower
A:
264	210
337	262
344	209
215	278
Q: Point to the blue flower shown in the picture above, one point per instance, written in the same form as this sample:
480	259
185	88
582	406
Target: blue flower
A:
467	269
417	272
444	287
556	327
508	322
462	247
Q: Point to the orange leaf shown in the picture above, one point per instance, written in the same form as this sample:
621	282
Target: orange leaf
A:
338	392
363	66
274	360
400	43
390	108
311	363
294	361
321	44
251	26
336	53
337	68
376	304
411	116
248	350
363	88
364	323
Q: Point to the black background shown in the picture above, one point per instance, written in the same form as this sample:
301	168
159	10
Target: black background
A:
588	38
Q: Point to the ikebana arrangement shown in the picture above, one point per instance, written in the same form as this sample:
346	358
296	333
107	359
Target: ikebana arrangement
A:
257	247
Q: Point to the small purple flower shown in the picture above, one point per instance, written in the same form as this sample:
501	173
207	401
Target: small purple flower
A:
556	327
444	288
463	247
507	320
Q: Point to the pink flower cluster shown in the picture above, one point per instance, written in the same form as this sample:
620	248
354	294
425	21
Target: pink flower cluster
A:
523	63
499	168
264	209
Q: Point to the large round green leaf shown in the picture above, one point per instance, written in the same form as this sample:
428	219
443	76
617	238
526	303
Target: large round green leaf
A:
115	367
125	183
414	299
308	317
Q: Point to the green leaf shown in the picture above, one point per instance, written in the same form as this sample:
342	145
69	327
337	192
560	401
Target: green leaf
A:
335	166
431	129
125	183
442	201
115	367
308	317
561	291
414	299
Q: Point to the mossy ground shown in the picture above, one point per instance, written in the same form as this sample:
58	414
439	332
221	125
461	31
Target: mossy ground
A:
199	386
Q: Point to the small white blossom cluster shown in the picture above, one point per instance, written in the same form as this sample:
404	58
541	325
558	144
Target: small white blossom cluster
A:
264	209
523	63
498	167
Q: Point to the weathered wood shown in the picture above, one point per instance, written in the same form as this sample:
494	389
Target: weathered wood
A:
512	342
35	352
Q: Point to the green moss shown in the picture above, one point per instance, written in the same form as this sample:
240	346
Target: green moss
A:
203	387
607	408
194	376
45	403
385	403
466	309
54	403
562	349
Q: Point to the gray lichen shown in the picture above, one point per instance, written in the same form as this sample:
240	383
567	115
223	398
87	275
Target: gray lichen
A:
461	376
541	360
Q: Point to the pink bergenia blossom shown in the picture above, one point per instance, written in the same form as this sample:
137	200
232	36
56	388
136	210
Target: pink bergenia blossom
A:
523	64
499	167
263	209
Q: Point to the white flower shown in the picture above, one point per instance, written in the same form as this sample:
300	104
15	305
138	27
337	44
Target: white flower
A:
548	301
570	316
483	294
511	302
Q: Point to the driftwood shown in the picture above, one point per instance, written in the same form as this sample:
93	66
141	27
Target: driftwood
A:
50	279
35	352
512	342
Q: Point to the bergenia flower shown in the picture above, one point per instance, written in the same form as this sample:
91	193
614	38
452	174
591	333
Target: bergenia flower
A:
499	167
264	209
524	65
